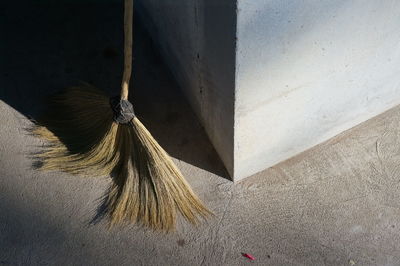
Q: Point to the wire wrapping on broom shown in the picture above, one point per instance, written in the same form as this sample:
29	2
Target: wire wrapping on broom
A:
123	110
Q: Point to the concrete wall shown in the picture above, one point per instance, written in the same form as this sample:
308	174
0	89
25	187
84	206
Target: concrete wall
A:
308	70
197	40
272	78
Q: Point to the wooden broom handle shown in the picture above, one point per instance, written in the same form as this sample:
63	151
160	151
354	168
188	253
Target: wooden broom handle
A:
128	23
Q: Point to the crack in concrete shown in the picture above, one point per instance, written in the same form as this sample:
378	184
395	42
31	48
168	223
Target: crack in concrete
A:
380	159
218	226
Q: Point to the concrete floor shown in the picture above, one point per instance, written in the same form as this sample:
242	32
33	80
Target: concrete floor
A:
337	204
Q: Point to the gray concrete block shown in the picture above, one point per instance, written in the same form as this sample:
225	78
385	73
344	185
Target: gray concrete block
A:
270	79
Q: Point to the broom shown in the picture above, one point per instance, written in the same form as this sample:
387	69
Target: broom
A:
89	133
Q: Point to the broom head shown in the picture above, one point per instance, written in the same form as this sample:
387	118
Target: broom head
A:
83	139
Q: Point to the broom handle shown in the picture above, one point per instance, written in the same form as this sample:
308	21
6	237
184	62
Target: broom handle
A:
128	22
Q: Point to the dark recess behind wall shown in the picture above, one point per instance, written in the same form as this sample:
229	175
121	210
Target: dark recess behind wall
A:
47	46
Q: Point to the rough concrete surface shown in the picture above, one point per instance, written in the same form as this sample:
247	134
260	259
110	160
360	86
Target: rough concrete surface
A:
309	70
337	204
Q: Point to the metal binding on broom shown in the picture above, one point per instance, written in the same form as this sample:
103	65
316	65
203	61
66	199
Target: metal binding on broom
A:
87	137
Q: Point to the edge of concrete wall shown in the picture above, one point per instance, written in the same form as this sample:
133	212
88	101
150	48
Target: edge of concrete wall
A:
206	75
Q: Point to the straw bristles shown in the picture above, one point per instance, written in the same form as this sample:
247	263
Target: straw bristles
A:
83	139
80	133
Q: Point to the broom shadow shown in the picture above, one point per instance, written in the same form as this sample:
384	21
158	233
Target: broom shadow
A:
101	211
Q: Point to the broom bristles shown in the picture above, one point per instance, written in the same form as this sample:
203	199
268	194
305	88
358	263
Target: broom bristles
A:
147	187
80	133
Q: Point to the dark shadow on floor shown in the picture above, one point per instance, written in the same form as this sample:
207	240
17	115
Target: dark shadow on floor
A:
47	46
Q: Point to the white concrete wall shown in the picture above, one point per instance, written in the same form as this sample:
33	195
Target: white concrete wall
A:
272	78
197	40
308	70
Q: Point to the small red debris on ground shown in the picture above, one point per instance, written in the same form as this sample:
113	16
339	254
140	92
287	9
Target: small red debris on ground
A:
247	255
